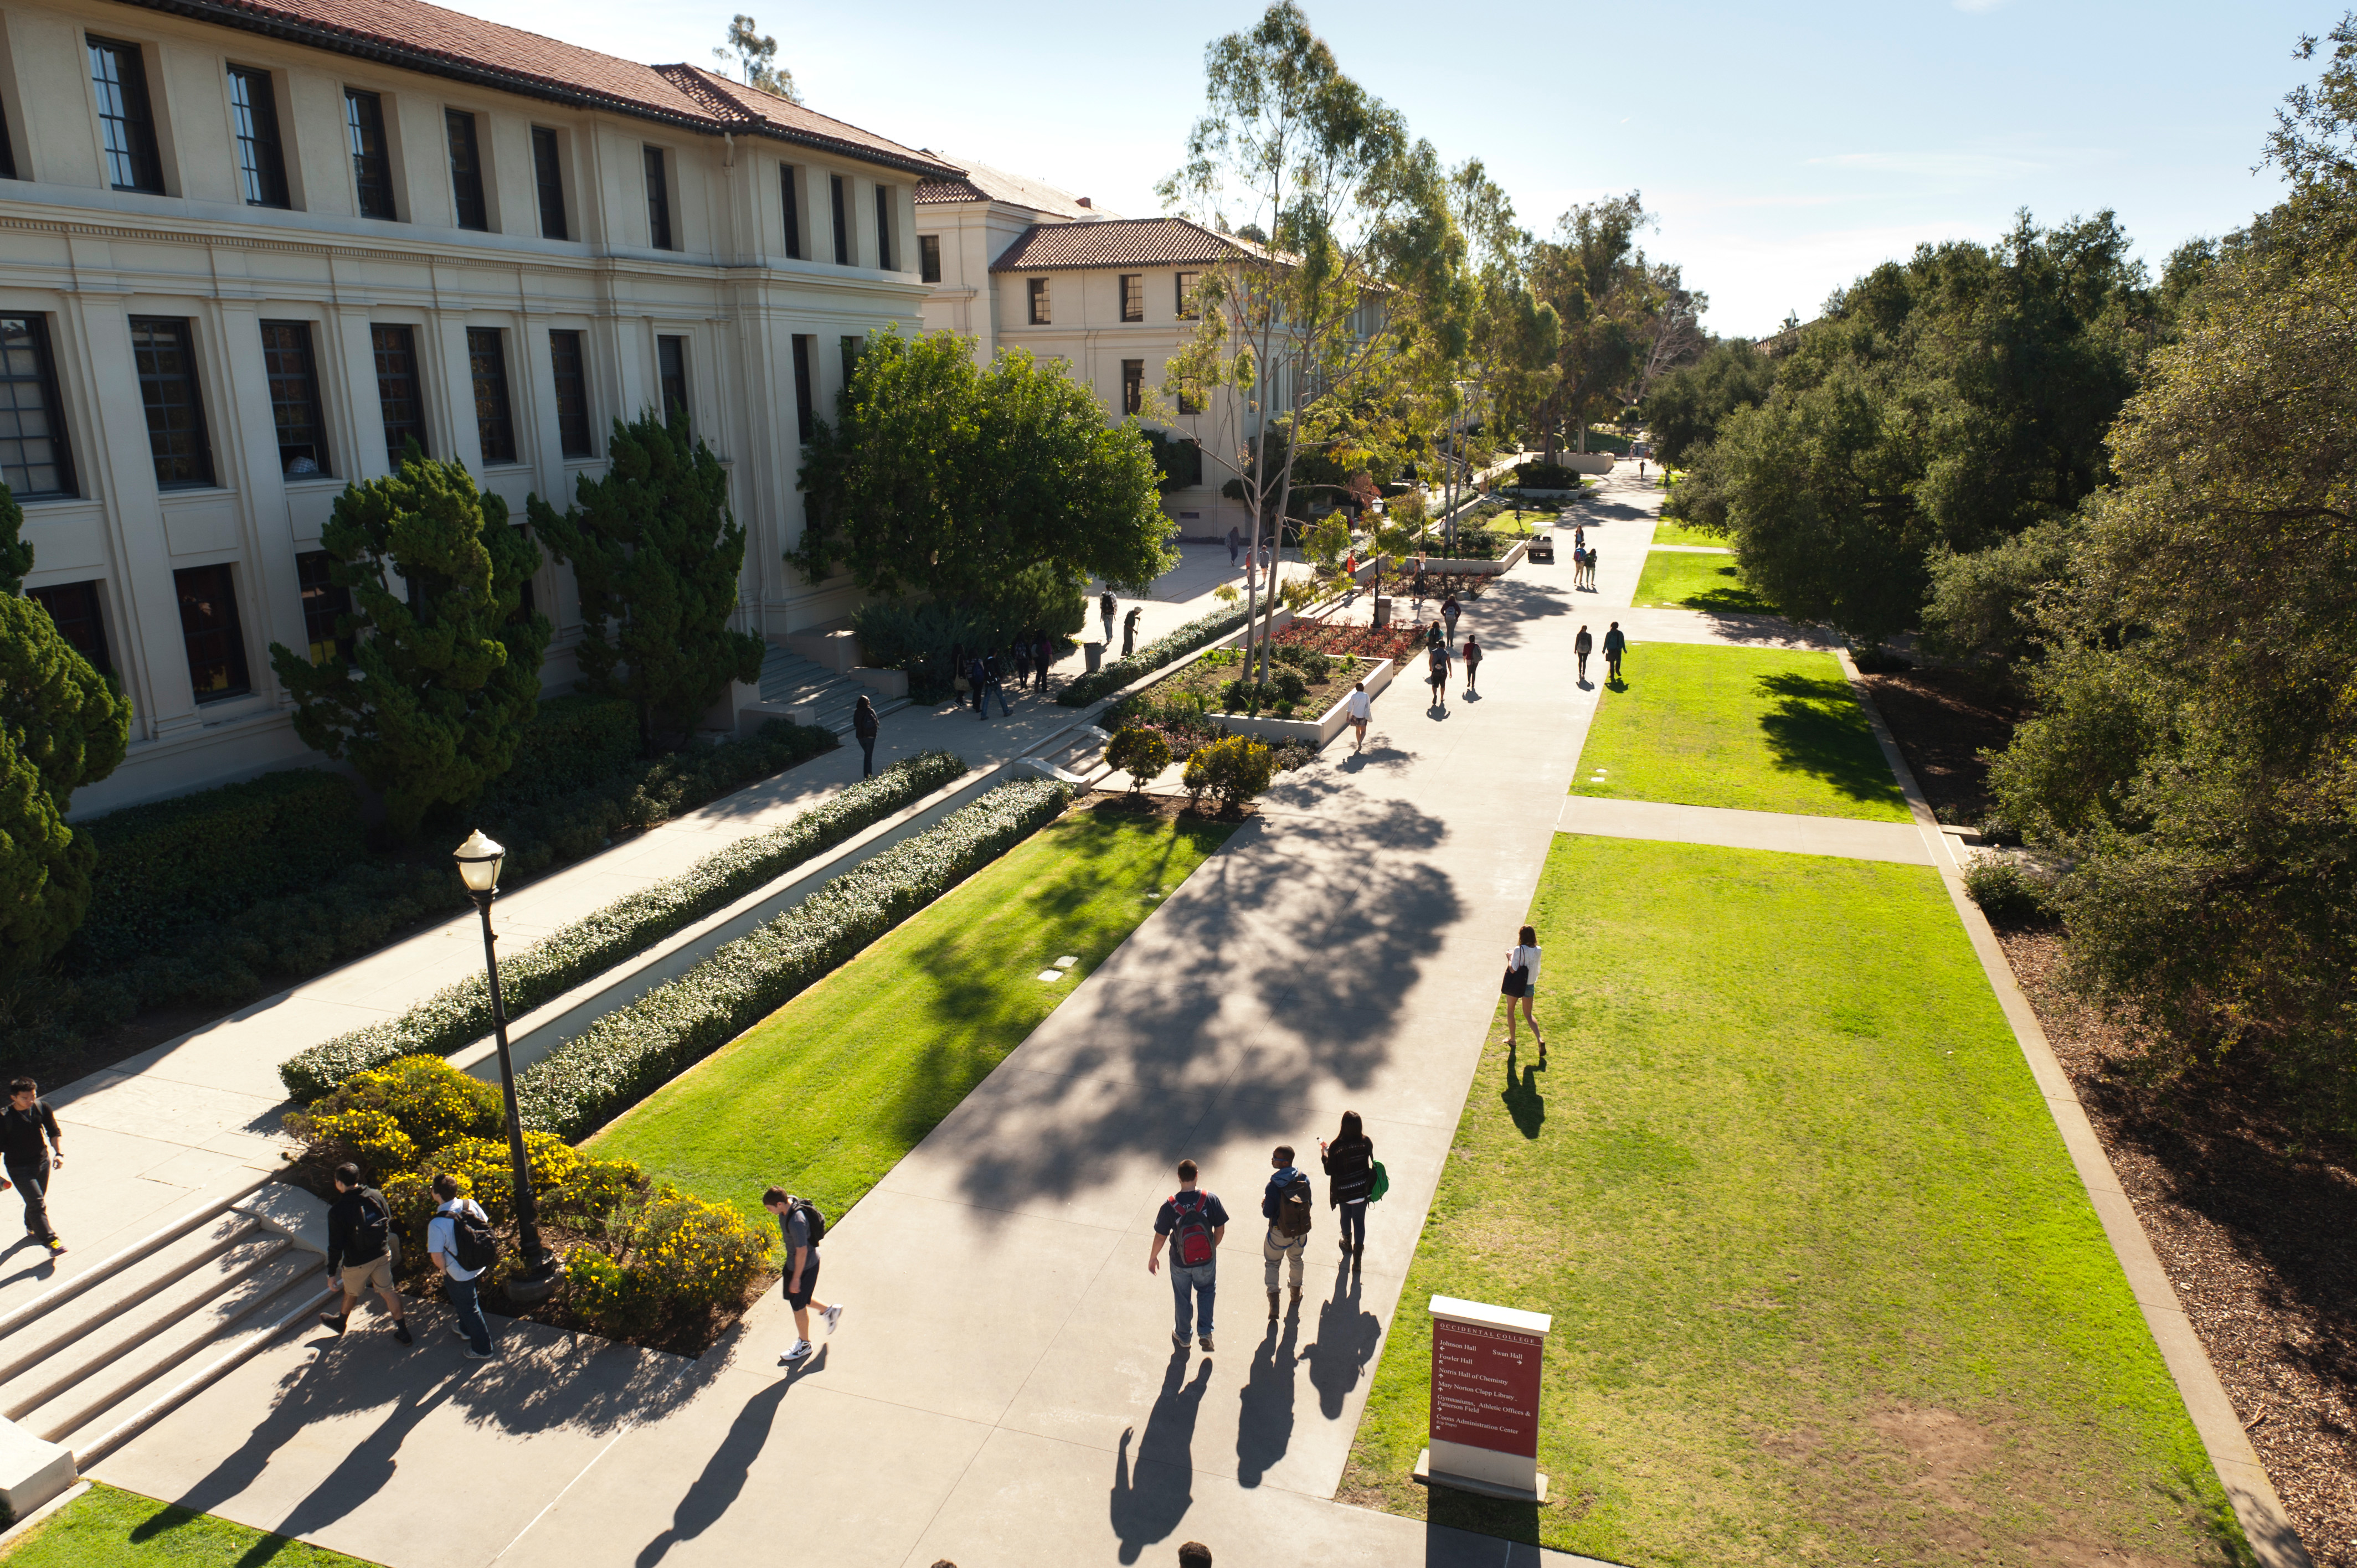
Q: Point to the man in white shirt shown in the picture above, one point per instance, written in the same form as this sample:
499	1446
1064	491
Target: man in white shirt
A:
1362	708
458	1281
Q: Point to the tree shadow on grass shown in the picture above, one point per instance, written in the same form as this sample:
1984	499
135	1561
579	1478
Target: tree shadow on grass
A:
1816	727
1731	597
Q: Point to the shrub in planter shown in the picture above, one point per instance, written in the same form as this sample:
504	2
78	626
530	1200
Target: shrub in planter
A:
664	1257
1140	753
386	1118
1233	770
485	1172
1083	690
2007	894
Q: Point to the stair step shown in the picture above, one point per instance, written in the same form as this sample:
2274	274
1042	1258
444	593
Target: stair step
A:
138	1322
65	1321
127	1377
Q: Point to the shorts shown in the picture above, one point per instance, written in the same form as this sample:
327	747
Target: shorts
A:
799	1300
375	1274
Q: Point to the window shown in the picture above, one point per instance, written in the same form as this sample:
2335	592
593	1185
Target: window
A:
7	152
884	227
371	165
851	347
1182	464
1190	308
1189	402
295	398
548	177
671	369
260	161
1133	296
842	220
398	394
572	395
164	354
658	202
805	395
793	211
1132	386
33	455
74	607
465	170
1040	312
323	601
125	118
210	630
487	360
928	257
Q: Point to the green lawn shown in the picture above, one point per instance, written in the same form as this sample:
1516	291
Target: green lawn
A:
103	1528
1668	532
1826	1286
1673	579
1754	729
826	1094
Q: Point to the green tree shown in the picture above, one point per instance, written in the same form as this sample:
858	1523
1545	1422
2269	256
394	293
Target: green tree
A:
62	725
657	555
999	487
16	554
755	54
444	669
1595	279
1684	410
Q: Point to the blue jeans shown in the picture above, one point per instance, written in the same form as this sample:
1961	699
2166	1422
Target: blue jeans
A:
465	1298
33	1186
1354	1224
1193	1290
998	690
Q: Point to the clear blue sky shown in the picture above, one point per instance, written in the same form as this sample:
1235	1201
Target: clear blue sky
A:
1785	149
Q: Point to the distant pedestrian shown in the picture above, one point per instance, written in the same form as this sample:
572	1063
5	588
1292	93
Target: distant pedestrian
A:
977	680
1472	661
1449	611
993	672
1043	653
1591	568
1583	645
864	725
459	1228
1437	675
1129	630
1106	605
1350	1166
1435	638
1236	546
1615	644
359	1252
1522	987
1641	467
1579	536
1191	1223
803	1226
1362	708
1022	660
1284	1203
30	1145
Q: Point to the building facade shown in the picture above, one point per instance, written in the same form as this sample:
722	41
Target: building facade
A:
249	249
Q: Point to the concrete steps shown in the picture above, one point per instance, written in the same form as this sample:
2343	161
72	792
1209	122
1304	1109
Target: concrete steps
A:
789	680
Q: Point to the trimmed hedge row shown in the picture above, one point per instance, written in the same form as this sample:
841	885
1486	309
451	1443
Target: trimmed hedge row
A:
460	1014
1086	689
634	1050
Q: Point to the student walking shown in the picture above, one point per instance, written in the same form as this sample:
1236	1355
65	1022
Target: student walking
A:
1022	660
359	1252
1362	708
804	1228
1472	661
1129	630
863	728
30	1146
1591	568
1285	1204
1043	653
992	672
1236	546
977	680
1522	986
1106	605
1449	611
1350	1166
1438	677
1615	645
1190	1223
458	1230
1583	645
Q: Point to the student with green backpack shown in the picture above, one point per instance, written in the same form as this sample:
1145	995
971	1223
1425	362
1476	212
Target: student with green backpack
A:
1352	1179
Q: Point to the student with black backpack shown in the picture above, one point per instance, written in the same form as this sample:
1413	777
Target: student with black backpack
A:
459	1241
1286	1206
804	1228
1190	1223
359	1252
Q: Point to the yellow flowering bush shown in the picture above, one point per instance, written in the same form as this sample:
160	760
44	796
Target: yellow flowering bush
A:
371	1139
671	1256
481	1168
388	1119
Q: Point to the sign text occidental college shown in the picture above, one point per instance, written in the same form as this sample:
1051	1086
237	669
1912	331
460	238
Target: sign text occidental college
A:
1485	1399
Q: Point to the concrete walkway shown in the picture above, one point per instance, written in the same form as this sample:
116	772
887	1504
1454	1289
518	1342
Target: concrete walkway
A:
1900	841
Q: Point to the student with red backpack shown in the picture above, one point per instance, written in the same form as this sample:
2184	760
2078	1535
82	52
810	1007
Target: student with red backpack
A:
1190	1223
803	1226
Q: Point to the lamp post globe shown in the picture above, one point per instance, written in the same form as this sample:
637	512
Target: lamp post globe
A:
479	867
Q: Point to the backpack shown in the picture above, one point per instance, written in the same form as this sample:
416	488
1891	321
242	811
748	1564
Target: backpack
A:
1292	1208
472	1241
373	1235
1191	1241
811	1216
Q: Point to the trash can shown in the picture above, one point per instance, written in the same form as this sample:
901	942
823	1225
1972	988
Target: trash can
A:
1095	654
1383	610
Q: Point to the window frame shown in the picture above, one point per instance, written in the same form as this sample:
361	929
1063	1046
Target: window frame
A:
673	345
261	145
1186	314
238	672
135	115
197	461
548	180
471	194
487	373
373	185
1132	387
929	258
575	421
1042	312
793	213
883	228
805	387
309	403
839	195
44	379
1133	295
660	235
407	346
93	591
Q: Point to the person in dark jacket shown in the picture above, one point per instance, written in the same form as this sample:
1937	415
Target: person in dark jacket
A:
995	668
1022	662
1106	605
1277	1248
1129	631
864	725
359	1252
1349	1162
977	677
29	1145
1043	653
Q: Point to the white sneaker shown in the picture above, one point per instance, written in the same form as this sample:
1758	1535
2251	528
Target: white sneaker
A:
800	1352
834	1314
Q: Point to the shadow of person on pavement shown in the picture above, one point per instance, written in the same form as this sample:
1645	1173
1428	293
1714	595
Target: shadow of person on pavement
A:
44	1266
715	1491
1524	1101
1265	1424
1347	1335
1151	1496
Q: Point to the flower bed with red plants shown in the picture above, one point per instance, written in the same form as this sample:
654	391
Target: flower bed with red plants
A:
1358	642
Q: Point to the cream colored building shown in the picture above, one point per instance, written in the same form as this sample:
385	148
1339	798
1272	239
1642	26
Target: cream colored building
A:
248	247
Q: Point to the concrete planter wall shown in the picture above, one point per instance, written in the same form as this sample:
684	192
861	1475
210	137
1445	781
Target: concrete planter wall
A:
1497	568
1317	731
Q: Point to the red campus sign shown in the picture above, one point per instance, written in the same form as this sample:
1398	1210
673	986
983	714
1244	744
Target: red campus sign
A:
1485	1388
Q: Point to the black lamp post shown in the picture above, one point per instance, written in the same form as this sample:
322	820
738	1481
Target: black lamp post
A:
479	866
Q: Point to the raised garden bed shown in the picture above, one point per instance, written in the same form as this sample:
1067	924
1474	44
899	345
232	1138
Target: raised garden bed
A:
1211	686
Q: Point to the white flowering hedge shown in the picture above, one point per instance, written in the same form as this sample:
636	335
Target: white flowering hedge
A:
1083	690
634	1050
459	1015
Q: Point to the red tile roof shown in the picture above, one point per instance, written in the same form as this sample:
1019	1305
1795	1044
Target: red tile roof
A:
414	35
983	183
1118	242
